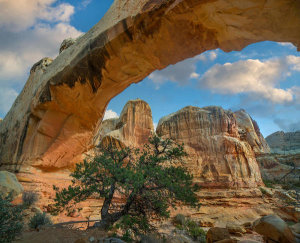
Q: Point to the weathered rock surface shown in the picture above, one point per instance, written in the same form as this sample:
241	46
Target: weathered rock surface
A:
53	118
132	128
218	155
250	132
280	167
217	234
274	228
284	143
9	184
66	44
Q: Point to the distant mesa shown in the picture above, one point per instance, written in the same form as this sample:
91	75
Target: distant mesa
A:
284	143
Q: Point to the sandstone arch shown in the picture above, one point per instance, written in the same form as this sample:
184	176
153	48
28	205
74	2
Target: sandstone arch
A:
52	120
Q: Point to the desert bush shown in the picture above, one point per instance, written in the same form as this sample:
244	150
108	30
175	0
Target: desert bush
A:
11	219
39	219
191	227
29	198
269	183
179	219
194	230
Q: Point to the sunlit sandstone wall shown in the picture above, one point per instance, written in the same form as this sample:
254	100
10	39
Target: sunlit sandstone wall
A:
53	119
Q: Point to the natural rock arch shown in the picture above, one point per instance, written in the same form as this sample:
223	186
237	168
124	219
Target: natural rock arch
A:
52	120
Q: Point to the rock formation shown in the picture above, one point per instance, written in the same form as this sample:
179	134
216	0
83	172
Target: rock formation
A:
53	118
220	145
283	163
284	143
132	128
9	184
250	132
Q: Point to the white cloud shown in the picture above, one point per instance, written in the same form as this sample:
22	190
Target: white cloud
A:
85	3
287	125
22	14
194	75
183	71
286	44
29	31
259	78
110	114
155	125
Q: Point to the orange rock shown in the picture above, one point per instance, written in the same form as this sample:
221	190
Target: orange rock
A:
54	116
218	155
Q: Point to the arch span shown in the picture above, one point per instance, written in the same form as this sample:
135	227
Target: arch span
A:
52	120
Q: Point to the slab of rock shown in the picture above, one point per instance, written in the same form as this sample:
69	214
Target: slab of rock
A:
66	44
234	228
9	184
274	228
217	234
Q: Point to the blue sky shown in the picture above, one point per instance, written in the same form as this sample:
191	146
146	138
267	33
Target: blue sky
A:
263	78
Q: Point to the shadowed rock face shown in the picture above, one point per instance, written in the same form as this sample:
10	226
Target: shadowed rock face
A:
52	120
220	155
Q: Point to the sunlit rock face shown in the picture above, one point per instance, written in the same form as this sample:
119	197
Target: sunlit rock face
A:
218	155
250	132
132	128
284	143
52	121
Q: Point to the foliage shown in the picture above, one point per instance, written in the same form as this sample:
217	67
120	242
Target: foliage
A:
179	219
39	219
149	181
190	226
11	219
29	198
263	191
269	183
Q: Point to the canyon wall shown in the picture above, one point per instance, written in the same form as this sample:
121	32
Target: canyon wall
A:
53	120
221	145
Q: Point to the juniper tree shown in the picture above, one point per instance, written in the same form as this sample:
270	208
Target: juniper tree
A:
149	181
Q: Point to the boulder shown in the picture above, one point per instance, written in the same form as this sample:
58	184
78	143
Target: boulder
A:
66	44
274	228
296	228
234	228
217	234
9	184
227	241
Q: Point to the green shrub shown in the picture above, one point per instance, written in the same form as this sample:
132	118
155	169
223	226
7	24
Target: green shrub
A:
194	230
179	219
29	198
11	219
191	227
269	183
39	219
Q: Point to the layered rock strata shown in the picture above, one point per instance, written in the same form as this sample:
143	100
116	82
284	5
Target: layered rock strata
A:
284	143
132	128
220	145
53	118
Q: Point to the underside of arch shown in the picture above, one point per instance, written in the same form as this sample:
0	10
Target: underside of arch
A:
53	119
